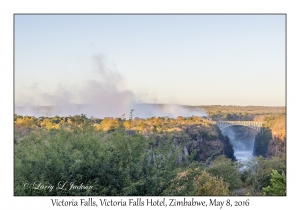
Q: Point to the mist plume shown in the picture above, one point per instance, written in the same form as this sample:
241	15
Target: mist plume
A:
104	96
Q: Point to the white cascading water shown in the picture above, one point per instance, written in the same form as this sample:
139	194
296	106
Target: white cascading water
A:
243	148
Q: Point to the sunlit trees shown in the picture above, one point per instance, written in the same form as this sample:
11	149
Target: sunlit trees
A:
28	122
109	123
196	182
141	126
135	157
127	124
47	123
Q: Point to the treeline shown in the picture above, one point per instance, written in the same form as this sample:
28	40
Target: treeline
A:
198	135
244	113
161	157
144	126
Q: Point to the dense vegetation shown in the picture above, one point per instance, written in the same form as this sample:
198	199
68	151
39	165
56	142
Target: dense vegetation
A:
154	156
257	113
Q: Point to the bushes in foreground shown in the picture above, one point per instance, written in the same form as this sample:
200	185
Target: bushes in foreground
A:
118	163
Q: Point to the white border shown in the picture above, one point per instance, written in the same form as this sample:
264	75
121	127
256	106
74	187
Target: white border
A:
8	8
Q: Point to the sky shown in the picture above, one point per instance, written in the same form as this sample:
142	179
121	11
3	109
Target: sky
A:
10	73
167	59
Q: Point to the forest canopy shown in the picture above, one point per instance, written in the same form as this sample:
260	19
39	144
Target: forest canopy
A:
154	156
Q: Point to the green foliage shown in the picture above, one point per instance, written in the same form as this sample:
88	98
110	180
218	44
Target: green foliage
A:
218	112
134	157
257	173
79	120
225	168
160	166
115	164
55	156
196	182
278	183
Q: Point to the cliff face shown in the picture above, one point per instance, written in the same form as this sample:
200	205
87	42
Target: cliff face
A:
202	143
205	148
261	142
276	147
277	144
272	141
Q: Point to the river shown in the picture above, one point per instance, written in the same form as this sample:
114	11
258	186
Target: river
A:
242	140
243	155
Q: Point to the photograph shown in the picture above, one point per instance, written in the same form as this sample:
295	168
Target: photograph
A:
149	105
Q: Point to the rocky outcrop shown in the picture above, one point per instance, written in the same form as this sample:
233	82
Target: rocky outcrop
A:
261	142
201	144
272	141
276	147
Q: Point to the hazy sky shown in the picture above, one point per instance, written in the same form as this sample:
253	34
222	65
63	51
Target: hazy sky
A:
174	59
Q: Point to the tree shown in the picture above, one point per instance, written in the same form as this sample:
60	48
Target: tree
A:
227	169
131	114
278	183
257	173
196	182
210	185
28	122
